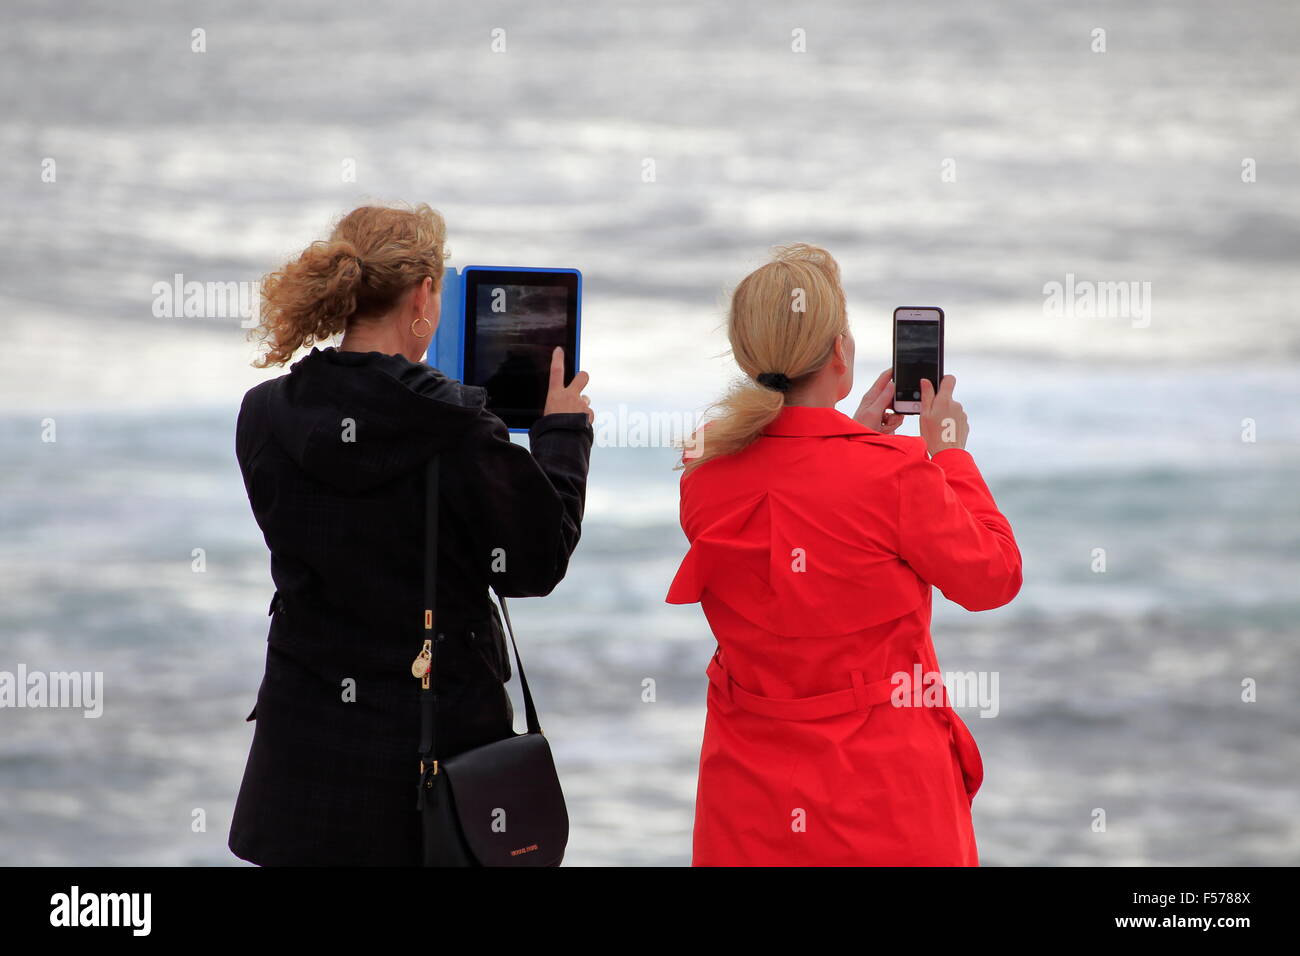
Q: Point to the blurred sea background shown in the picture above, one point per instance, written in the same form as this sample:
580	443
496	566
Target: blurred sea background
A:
1119	690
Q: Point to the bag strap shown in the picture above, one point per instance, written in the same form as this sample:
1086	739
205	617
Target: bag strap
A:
429	707
530	711
428	688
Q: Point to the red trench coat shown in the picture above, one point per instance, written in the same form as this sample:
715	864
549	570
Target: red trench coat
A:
813	552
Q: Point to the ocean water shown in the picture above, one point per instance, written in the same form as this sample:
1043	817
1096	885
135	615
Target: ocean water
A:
1119	691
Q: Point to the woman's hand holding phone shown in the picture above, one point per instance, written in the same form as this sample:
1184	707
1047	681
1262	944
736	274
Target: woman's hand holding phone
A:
564	399
943	420
873	411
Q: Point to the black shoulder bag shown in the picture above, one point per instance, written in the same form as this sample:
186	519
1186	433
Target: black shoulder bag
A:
495	805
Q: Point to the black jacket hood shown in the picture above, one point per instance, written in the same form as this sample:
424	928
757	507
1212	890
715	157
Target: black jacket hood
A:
360	419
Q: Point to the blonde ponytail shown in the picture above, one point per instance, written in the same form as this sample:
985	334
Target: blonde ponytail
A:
372	258
784	319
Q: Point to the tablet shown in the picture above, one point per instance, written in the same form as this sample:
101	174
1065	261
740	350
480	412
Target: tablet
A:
509	322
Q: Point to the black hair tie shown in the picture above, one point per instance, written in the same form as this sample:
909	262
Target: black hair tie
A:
775	381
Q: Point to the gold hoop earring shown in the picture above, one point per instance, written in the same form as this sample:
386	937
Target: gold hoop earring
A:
425	333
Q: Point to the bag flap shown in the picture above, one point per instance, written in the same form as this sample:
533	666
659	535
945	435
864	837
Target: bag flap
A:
508	799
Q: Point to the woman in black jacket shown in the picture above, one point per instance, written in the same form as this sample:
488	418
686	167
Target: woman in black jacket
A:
333	457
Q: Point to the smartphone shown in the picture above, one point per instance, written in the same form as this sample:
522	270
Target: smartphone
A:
918	354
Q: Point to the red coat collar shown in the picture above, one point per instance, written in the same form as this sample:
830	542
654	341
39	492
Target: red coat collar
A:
804	421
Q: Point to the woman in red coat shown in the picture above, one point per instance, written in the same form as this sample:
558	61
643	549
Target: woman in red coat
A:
815	539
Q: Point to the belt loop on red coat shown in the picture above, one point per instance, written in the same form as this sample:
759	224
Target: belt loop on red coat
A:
719	676
860	691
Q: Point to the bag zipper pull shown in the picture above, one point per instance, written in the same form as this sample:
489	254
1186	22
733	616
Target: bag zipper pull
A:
420	666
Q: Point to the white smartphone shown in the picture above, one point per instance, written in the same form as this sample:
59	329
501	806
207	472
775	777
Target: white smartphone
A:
918	354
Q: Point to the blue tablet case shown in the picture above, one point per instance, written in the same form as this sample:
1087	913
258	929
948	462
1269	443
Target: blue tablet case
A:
447	350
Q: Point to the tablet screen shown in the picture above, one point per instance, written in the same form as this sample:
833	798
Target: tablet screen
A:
514	319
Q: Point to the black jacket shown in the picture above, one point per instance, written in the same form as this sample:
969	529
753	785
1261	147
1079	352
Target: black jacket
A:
333	457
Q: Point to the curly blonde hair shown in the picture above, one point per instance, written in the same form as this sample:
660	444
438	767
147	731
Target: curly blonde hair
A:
373	257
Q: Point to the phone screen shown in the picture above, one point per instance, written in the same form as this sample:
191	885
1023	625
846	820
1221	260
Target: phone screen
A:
917	345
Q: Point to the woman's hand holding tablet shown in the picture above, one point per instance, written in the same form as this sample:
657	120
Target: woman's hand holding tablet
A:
562	399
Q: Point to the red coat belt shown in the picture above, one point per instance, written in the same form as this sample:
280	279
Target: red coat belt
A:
861	696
